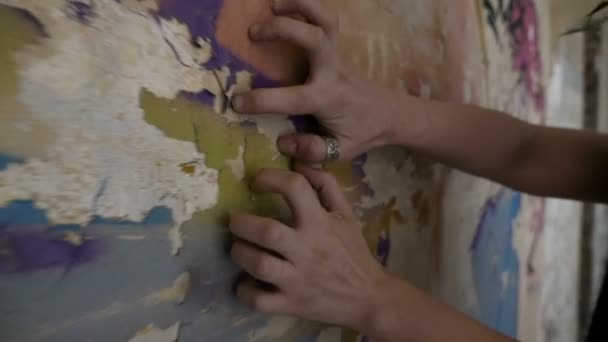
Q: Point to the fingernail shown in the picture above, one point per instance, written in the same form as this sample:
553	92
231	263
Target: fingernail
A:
287	147
237	103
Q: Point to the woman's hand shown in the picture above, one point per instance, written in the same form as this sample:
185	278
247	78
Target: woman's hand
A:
320	268
352	110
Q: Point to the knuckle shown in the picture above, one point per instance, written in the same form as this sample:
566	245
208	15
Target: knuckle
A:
279	24
317	37
296	182
272	234
264	266
309	150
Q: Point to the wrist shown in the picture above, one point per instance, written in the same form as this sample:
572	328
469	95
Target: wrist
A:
381	108
377	316
403	121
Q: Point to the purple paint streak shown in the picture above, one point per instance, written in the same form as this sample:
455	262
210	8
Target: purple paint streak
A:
523	26
26	251
81	11
488	209
200	17
384	248
521	20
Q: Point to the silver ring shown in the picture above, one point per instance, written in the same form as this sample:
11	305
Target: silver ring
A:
333	149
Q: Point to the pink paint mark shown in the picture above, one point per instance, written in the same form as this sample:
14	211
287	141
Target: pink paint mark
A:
523	26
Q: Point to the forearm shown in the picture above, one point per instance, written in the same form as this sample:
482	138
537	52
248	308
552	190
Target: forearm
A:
478	141
487	143
402	313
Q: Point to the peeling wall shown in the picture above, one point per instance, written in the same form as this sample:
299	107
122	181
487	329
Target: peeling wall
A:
116	134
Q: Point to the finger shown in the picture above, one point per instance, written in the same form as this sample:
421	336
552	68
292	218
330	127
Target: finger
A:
260	264
327	188
298	32
248	293
308	148
296	190
296	100
312	10
264	232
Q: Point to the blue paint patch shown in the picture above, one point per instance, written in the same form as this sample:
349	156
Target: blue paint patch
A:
156	217
22	213
6	160
495	263
25	213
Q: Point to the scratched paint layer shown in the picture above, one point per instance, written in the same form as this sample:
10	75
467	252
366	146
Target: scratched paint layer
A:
222	143
113	147
101	163
133	143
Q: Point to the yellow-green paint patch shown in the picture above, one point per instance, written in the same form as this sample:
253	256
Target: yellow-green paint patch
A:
260	153
348	179
220	141
17	32
174	118
188	168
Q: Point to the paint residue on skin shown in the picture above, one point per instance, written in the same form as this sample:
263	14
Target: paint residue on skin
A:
150	333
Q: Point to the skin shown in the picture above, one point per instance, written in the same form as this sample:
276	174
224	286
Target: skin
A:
319	267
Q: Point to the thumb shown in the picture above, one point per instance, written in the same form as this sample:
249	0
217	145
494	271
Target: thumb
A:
307	148
330	194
